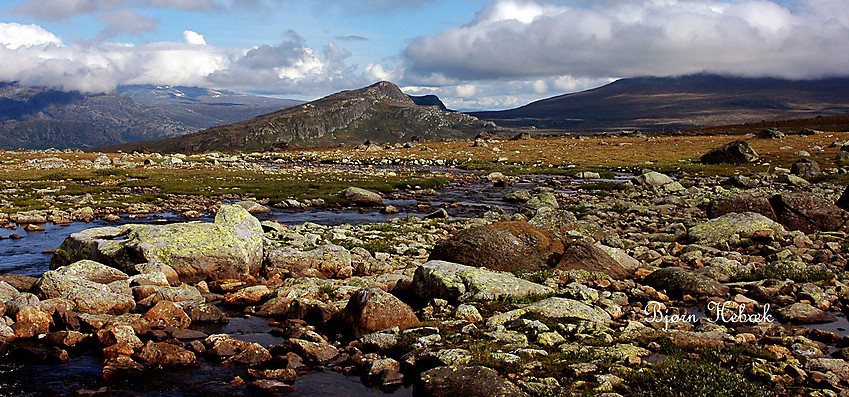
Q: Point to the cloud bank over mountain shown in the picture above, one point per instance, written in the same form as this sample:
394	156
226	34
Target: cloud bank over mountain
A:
514	38
493	54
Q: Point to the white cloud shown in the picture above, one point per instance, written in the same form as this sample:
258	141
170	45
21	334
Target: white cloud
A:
192	37
518	39
34	56
375	72
15	35
540	86
466	90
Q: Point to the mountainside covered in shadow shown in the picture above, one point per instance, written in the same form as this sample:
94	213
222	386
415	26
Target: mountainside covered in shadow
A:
670	103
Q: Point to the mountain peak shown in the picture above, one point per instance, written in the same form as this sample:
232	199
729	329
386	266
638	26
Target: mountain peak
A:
381	90
378	113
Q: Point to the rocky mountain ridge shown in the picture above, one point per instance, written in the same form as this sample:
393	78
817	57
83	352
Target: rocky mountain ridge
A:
378	113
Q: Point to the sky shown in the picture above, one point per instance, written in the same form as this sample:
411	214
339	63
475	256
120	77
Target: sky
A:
475	54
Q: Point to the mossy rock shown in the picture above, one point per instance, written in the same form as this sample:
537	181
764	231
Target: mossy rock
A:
459	381
231	247
452	281
680	281
721	230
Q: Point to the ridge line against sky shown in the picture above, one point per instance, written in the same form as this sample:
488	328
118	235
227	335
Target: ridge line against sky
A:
475	55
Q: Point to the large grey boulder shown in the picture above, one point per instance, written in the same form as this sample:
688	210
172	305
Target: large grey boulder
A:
563	308
92	287
721	230
584	255
809	212
373	309
446	280
326	261
803	313
740	203
806	168
228	248
502	246
253	207
459	381
736	152
680	281
556	308
361	196
657	180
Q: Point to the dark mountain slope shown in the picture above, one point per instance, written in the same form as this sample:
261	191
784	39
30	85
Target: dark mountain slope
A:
665	103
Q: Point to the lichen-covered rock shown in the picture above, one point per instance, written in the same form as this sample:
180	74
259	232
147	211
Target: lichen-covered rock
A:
373	309
563	308
502	246
54	282
28	217
446	280
543	199
361	196
682	281
468	312
834	365
803	313
79	284
183	295
584	255
736	152
658	181
326	261
553	220
461	381
793	180
228	248
721	230
378	341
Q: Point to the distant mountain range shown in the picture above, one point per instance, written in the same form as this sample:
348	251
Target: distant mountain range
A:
40	118
170	118
687	102
378	113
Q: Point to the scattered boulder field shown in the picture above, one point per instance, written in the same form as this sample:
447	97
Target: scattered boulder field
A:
587	292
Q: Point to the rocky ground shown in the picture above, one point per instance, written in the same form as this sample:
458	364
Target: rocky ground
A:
648	288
